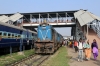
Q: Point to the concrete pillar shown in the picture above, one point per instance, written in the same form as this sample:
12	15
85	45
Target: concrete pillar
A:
30	17
39	18
57	17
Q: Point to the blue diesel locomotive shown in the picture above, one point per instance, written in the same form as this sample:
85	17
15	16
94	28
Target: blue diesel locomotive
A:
12	36
49	40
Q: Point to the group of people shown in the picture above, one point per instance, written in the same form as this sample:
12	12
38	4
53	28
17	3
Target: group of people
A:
82	46
68	43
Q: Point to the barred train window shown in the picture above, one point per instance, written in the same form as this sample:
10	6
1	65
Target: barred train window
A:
9	35
5	34
32	34
16	36
19	36
0	33
12	35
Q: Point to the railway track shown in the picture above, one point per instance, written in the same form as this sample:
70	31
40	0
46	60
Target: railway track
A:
34	60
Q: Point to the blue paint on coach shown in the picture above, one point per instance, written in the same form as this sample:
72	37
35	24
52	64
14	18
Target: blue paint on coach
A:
9	29
9	42
8	36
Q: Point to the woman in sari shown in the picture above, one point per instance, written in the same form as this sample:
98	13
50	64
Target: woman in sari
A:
87	48
94	47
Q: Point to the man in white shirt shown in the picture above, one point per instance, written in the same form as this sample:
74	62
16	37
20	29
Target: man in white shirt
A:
80	53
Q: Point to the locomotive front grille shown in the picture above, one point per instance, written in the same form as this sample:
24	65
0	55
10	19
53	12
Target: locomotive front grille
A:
44	47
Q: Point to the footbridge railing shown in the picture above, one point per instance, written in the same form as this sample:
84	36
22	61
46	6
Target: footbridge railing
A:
96	29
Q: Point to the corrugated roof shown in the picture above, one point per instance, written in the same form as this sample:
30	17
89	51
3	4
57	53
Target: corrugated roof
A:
76	14
85	17
94	16
15	17
4	18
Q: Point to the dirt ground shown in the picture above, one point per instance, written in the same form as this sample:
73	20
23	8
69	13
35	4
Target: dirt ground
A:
74	62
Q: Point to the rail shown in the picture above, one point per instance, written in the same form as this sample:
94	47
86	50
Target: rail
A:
33	60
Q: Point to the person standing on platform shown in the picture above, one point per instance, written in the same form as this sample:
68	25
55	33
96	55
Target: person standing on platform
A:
87	49
64	43
80	49
84	43
94	47
75	45
67	42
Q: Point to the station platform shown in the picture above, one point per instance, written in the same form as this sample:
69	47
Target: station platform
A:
73	61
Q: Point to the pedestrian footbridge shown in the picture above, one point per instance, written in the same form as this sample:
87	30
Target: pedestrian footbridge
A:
84	23
63	24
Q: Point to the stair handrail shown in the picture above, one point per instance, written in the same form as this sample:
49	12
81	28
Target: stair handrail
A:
96	30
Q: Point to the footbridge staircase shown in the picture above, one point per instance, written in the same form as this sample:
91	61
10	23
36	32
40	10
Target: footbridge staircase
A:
87	26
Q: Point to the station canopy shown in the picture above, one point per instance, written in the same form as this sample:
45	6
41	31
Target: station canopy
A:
13	17
85	17
4	18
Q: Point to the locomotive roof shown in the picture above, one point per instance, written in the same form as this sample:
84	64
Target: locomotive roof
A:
16	27
44	23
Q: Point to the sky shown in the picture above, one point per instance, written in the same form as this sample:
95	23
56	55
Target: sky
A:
27	6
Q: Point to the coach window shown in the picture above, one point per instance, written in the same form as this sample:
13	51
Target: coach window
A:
23	36
12	35
16	36
32	35
5	34
9	35
26	36
19	36
0	33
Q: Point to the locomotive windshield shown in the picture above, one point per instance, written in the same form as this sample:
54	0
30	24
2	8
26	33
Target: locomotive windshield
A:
44	26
